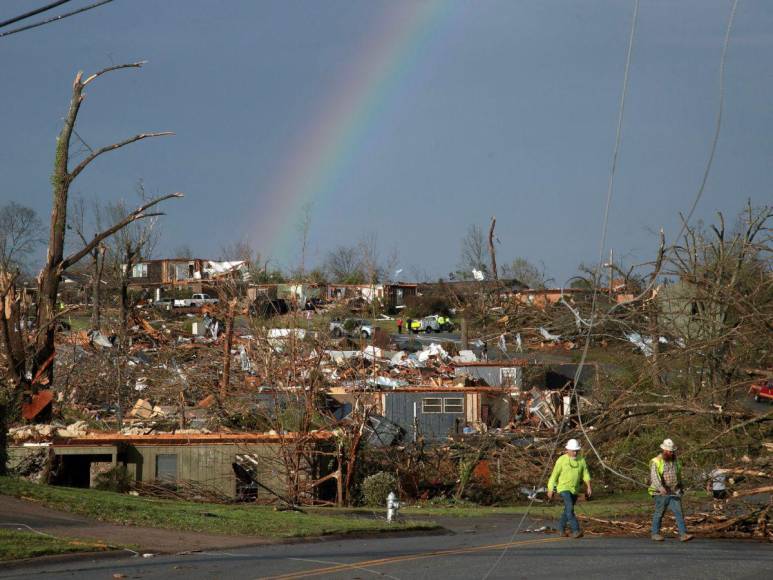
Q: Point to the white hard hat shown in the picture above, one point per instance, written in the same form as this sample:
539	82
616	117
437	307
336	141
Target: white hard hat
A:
572	445
668	445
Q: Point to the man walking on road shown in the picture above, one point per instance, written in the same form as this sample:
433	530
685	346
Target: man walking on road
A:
569	473
666	488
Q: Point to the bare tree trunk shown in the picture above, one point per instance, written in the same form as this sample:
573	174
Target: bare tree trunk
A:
654	361
228	343
3	438
491	250
27	354
125	305
98	266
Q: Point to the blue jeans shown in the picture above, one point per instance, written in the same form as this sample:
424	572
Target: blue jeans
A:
568	514
662	502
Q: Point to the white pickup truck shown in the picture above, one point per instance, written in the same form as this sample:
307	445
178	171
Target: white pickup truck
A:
195	301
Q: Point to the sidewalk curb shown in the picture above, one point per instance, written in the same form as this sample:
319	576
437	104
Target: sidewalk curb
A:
63	559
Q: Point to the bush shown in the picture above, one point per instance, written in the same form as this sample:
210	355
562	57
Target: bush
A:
376	488
114	479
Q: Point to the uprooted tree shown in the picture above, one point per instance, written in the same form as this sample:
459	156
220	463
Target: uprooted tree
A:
27	350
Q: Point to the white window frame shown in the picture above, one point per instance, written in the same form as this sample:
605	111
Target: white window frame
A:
142	269
459	404
180	268
438	405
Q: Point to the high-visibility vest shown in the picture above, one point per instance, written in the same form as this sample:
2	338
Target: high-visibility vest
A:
661	464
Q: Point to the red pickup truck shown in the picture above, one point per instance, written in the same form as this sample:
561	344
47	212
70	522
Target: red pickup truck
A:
762	391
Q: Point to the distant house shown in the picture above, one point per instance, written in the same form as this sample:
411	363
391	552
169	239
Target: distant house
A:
465	289
183	272
391	296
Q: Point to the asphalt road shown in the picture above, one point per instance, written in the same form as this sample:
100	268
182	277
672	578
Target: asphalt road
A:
477	548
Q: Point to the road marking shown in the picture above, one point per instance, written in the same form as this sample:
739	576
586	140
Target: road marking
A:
407	558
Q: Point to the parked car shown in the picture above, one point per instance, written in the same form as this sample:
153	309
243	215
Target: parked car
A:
195	301
762	391
351	327
436	323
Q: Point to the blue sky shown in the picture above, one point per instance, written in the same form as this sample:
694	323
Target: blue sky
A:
506	108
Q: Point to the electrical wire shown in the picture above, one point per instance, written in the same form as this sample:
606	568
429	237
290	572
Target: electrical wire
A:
594	302
55	18
685	222
45	8
712	148
717	129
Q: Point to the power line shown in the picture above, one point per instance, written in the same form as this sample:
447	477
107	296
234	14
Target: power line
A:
55	18
718	127
605	221
712	148
685	222
32	13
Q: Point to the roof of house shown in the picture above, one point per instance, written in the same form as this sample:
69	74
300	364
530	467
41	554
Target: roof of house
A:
112	438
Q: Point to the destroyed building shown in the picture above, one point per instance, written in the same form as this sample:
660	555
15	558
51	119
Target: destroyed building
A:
231	465
192	274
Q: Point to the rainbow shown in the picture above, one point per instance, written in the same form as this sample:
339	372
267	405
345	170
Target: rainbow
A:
328	145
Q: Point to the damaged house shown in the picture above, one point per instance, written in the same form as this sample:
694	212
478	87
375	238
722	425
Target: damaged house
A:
192	274
231	465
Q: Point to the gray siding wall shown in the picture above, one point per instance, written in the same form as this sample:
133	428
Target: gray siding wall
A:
433	426
207	465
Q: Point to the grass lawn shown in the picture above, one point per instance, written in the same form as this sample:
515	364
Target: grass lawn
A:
248	520
15	545
614	506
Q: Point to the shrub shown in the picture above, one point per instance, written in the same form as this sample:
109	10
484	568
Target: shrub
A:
376	488
114	479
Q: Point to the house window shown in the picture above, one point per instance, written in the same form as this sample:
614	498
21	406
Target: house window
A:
166	467
181	271
432	405
140	271
453	405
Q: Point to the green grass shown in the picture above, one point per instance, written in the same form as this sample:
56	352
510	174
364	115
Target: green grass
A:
614	506
15	545
248	520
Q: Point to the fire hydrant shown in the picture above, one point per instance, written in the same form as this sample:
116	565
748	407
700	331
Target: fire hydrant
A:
393	507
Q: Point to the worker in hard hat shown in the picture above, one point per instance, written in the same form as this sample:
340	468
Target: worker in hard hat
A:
666	488
569	473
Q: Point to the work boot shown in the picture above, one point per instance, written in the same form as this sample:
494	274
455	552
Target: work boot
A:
657	538
577	535
685	538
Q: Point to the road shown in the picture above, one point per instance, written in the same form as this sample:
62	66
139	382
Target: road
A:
477	547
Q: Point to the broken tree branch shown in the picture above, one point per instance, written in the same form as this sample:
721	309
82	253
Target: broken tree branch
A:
82	165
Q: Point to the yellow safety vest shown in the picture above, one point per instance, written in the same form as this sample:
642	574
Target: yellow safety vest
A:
661	464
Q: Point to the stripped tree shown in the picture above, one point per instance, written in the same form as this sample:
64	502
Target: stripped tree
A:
28	355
